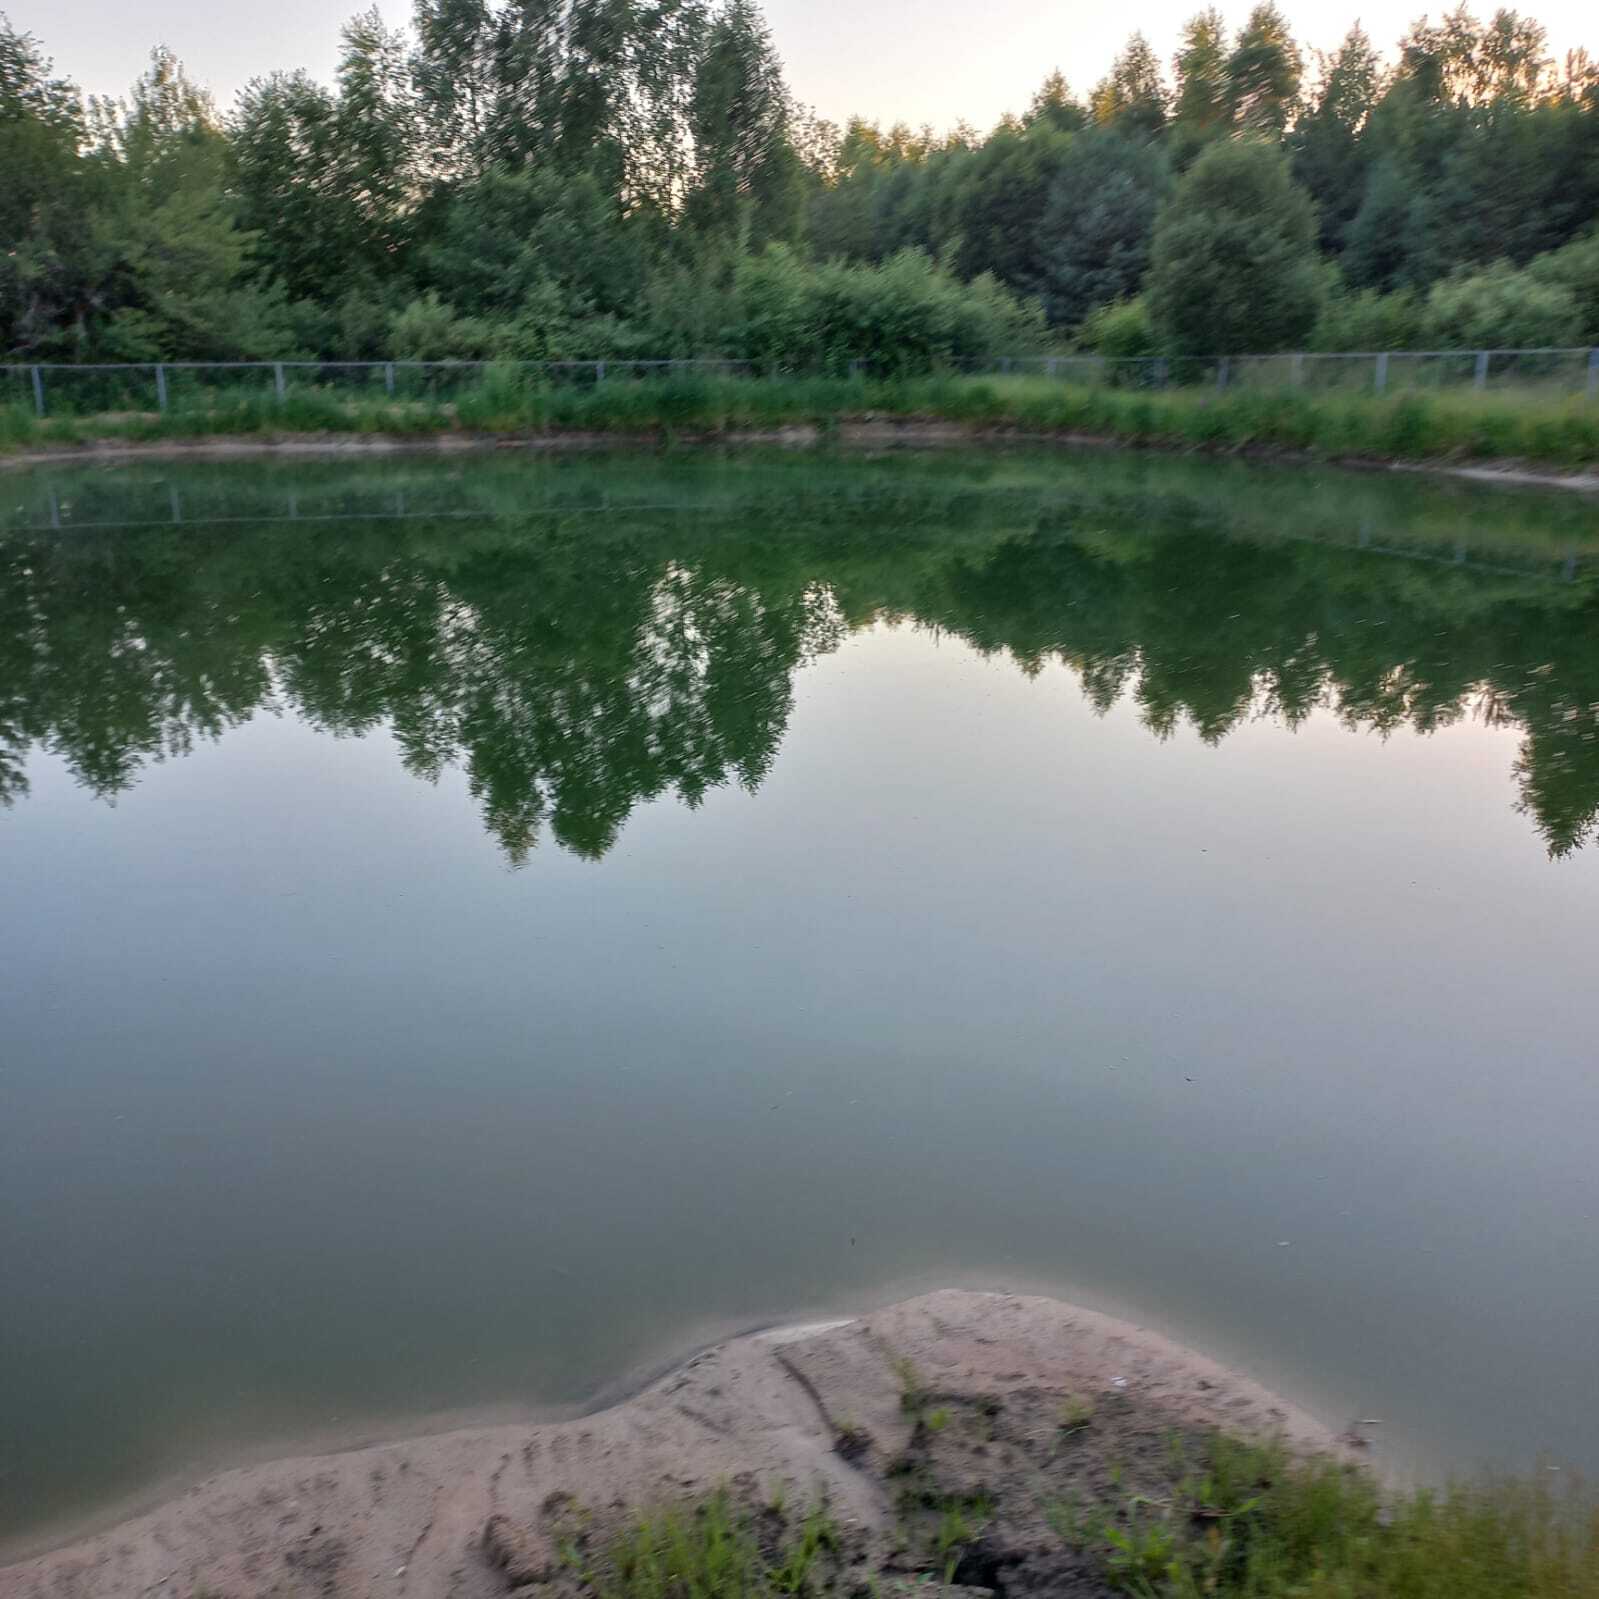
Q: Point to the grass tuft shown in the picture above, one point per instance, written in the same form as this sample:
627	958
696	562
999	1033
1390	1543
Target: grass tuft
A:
710	1551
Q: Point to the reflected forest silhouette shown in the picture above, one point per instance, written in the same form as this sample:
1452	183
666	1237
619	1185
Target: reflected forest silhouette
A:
584	636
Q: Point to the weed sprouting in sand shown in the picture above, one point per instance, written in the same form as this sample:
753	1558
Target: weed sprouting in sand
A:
1075	1414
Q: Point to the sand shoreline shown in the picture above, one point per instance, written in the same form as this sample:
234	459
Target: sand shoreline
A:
873	433
409	1516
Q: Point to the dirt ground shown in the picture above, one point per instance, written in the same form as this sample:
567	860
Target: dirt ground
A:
1002	1411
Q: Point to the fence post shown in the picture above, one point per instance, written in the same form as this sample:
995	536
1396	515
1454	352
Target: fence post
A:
38	391
1223	367
161	387
177	507
388	379
1480	377
1593	374
599	371
1297	368
1004	363
1054	363
1381	379
277	379
1162	372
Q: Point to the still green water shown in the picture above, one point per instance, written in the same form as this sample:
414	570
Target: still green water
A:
471	930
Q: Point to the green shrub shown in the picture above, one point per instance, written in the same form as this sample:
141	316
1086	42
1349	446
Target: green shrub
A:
1368	320
1121	330
907	315
1574	268
427	329
1501	308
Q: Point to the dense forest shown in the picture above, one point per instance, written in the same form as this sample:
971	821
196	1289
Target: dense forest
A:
533	179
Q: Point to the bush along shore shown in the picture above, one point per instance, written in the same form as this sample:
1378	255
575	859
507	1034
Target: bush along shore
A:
1552	433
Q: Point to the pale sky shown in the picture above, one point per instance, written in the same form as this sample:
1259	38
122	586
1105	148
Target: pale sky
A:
918	60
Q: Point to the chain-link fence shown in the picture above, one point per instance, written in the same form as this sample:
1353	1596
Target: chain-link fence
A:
1553	371
50	389
111	390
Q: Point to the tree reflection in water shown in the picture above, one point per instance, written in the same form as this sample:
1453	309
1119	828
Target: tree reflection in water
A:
585	636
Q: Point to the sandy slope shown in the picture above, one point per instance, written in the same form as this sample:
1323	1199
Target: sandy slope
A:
409	1518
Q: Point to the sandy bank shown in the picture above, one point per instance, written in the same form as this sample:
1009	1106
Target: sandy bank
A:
875	433
818	1408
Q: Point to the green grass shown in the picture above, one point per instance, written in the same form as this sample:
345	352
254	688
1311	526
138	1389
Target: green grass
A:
1075	1413
1256	1523
710	1551
912	1390
1250	1523
1417	426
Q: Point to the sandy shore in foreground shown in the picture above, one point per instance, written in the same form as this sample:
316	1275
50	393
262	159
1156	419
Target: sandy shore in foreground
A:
816	1408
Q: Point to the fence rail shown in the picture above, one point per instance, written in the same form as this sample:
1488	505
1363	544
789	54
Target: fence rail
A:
101	387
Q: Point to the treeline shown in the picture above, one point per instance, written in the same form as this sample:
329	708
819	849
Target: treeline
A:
592	178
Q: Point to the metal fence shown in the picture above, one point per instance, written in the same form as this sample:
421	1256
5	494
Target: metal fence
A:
84	390
1554	371
99	389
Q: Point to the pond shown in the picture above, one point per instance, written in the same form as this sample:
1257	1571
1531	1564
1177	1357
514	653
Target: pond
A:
474	929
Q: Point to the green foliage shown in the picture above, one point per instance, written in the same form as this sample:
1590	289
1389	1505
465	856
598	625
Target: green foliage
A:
1233	266
1277	1527
1328	145
709	1551
1574	268
1122	331
905	316
959	1524
1095	233
429	330
1501	308
1202	110
1384	240
747	177
324	179
1368	320
1003	191
912	1387
1263	73
41	126
1141	1555
1133	98
581	177
508	239
1421	425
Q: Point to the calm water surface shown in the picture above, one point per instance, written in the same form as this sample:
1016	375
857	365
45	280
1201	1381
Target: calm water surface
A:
471	930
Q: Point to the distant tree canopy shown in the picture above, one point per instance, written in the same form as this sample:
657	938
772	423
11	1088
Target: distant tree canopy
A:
581	178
